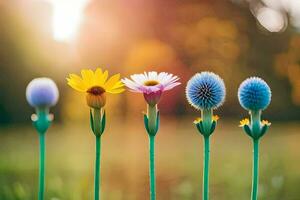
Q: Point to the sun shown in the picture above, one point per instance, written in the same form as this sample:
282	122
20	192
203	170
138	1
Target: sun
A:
66	19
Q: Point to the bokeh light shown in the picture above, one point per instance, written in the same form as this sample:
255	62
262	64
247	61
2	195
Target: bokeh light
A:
67	17
272	20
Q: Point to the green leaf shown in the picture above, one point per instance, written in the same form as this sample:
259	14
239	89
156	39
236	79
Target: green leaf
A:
103	122
157	122
213	127
92	121
200	128
264	129
146	123
248	130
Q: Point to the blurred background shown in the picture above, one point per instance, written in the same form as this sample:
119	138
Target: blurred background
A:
235	39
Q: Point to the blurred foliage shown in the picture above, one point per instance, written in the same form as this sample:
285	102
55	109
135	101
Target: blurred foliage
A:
181	37
288	65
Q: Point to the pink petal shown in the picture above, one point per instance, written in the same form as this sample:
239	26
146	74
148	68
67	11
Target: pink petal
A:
169	87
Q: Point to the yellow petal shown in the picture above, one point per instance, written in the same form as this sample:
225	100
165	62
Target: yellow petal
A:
244	122
76	86
105	75
100	77
266	122
116	91
88	77
98	73
117	88
77	79
118	85
197	120
111	82
215	118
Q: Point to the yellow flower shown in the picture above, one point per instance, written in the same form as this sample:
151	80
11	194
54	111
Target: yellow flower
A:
197	120
244	122
266	122
95	85
215	118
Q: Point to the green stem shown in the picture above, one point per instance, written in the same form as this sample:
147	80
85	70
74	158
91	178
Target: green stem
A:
255	121
255	169
42	167
41	123
152	167
97	167
206	169
207	119
152	117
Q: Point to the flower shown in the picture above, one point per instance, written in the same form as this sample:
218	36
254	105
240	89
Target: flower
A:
254	94
266	122
199	119
42	92
151	84
205	90
244	122
215	118
96	85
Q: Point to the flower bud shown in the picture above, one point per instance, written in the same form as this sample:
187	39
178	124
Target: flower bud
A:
254	94
96	97
205	90
42	92
153	97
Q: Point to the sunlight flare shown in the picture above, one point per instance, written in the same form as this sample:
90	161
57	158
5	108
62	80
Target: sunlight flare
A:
66	19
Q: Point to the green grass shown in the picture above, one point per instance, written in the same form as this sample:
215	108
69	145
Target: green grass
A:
70	162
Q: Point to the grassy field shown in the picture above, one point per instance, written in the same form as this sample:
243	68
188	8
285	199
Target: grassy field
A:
70	156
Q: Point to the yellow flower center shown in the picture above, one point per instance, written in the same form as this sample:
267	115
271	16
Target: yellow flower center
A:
96	90
151	83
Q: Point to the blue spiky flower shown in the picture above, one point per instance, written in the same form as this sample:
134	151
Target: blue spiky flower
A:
254	94
205	90
42	92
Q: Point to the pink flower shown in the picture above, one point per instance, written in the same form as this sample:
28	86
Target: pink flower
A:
151	84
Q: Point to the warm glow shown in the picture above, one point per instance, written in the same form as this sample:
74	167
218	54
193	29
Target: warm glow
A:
67	16
272	20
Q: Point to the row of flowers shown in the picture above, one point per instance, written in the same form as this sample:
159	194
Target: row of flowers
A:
204	91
